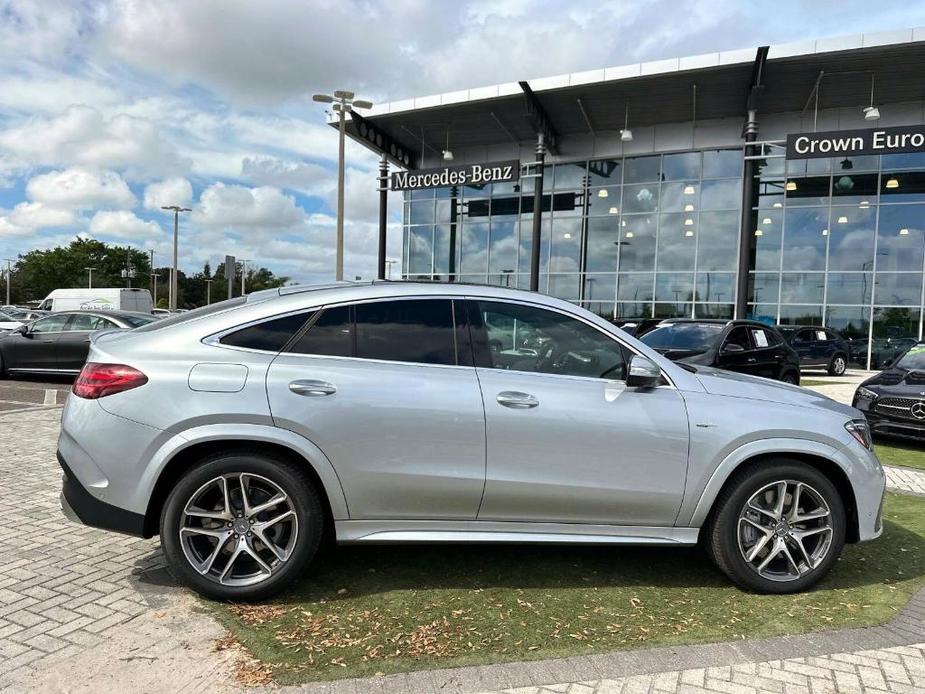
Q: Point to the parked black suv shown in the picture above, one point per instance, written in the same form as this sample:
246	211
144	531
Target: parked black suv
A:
894	400
818	346
745	346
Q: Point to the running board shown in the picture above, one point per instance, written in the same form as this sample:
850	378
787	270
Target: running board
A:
399	531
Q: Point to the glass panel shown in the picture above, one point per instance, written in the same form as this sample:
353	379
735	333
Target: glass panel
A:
640	169
722	163
806	233
503	252
418	330
771	194
851	239
566	245
421	251
526	242
723	311
504	279
446	192
603	234
902	187
635	287
477	190
721	195
475	209
422	212
801	167
854	189
851	321
442	249
676	241
526	184
570	175
564	286
763	286
444	211
910	160
766	313
424	194
800	315
896	323
679	310
332	334
627	311
870	162
674	286
600	287
718	244
901	237
473	252
604	309
683	196
801	288
898	289
508	205
637	242
807	191
640	198
767	239
677	167
604	201
715	286
605	171
771	166
849	288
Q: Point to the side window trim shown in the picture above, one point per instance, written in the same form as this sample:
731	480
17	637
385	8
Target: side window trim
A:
215	339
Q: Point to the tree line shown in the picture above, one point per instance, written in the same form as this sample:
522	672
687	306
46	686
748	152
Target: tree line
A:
36	273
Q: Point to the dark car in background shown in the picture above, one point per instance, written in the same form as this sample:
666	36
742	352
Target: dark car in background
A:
884	351
894	400
744	346
818	347
58	343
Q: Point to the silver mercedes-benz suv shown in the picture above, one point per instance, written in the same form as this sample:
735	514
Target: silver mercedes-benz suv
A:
247	431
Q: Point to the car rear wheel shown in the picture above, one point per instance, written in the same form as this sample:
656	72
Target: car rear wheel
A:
790	377
241	525
838	366
777	528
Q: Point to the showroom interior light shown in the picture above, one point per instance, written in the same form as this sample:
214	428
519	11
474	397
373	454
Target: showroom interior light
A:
614	210
777	205
825	232
688	207
629	234
766	220
688	233
791	185
904	232
892	182
626	135
758	232
842	220
688	222
602	193
689	190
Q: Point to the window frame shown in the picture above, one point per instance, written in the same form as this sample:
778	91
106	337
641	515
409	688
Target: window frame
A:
67	321
215	339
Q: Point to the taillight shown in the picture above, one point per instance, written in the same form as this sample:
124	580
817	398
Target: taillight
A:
99	380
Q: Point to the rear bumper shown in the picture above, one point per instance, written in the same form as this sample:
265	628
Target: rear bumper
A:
80	505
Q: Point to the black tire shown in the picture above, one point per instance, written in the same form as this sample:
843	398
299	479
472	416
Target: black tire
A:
791	377
2	368
721	533
838	365
290	477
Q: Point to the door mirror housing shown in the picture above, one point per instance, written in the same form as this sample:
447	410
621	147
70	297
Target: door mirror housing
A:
732	348
24	331
643	373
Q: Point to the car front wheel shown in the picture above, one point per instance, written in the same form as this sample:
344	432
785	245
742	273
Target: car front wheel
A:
838	366
241	525
777	528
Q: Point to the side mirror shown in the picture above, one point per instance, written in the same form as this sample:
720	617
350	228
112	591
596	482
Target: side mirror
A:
732	347
643	373
24	331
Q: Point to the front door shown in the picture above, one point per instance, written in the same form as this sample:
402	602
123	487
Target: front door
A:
380	388
737	353
567	441
37	350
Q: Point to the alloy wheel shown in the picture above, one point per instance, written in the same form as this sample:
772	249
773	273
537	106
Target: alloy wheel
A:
785	530
839	366
238	529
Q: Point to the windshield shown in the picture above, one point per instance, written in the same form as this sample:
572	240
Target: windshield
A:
914	359
687	336
4	316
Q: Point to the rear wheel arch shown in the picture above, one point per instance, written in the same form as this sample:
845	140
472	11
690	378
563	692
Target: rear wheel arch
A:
832	470
187	458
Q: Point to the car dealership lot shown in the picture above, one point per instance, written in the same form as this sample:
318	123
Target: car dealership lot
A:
82	606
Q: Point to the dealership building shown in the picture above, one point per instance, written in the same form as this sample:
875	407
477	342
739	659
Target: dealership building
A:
784	182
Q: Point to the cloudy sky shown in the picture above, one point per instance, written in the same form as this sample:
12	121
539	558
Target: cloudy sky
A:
109	110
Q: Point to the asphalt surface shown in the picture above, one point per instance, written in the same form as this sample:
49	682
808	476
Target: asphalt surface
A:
22	394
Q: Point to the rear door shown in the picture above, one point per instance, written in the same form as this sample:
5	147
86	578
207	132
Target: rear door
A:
74	343
387	390
803	344
768	352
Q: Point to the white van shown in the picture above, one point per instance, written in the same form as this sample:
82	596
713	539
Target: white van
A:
98	300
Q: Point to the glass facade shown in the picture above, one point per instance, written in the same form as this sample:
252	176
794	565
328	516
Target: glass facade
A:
839	241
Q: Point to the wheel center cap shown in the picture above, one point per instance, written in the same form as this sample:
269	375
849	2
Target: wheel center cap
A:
241	526
782	528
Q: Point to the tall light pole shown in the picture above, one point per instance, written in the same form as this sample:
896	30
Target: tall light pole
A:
344	102
154	277
244	262
9	278
90	277
389	263
209	291
176	209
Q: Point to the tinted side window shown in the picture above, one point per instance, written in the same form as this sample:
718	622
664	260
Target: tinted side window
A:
270	335
527	338
330	335
52	324
774	338
414	330
738	336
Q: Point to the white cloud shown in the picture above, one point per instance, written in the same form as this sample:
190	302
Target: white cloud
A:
28	217
124	225
285	173
80	188
171	191
239	207
83	136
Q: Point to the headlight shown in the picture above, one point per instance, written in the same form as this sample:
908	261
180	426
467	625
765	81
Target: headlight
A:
866	393
860	430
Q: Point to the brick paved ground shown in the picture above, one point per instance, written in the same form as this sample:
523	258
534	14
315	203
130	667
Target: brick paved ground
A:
85	610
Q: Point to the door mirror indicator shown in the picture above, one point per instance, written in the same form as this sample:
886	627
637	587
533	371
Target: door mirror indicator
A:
643	373
732	347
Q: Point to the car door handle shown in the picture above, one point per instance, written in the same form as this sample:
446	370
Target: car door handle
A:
312	388
752	360
47	342
517	400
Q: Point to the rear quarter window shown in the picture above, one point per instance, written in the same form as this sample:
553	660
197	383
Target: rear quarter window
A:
270	335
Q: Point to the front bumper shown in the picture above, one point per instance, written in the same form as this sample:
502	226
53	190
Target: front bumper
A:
885	425
80	505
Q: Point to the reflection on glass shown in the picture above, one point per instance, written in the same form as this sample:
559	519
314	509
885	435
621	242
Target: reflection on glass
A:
676	167
896	323
721	195
640	198
672	310
641	169
766	313
898	289
442	249
801	287
901	237
851	321
800	315
473	252
771	194
632	310
604	309
902	187
680	196
603	240
566	245
763	287
635	287
503	252
637	242
676	241
604	201
564	286
603	172
851	239
569	176
722	163
718	242
674	286
422	212
813	190
421	249
854	189
855	163
716	311
849	288
600	287
715	286
805	238
526	243
802	167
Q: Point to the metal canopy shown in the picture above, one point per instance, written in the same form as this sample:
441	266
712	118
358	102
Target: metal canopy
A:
663	98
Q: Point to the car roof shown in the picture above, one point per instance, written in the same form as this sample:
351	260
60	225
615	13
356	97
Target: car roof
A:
715	321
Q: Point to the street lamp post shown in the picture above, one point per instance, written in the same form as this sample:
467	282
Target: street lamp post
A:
244	262
9	278
90	277
176	209
209	291
344	102
154	277
389	263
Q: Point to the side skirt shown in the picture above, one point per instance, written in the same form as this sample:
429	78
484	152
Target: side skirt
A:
407	531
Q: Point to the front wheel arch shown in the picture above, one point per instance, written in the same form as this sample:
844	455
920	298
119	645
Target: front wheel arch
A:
825	466
185	459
